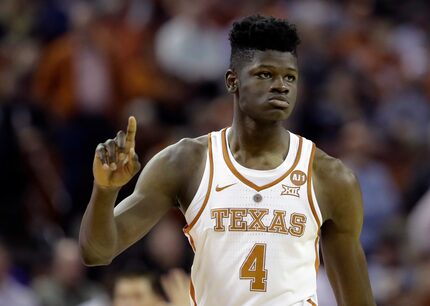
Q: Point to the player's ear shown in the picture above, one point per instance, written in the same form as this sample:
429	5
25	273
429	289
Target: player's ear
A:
231	81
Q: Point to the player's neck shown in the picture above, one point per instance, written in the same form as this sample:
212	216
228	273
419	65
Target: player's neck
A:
256	138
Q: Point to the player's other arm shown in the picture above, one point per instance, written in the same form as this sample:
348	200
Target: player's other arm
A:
339	196
107	230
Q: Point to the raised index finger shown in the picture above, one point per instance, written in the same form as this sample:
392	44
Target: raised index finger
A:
131	133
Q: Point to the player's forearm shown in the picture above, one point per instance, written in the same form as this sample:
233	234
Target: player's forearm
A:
356	292
347	270
98	232
360	291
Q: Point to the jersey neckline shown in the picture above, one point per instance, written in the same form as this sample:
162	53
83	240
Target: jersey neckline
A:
280	172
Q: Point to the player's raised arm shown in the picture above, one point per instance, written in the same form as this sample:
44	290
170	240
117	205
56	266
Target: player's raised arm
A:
105	232
339	197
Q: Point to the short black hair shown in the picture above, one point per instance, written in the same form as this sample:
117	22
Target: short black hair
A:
262	33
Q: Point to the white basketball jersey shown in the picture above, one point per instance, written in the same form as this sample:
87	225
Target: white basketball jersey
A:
254	232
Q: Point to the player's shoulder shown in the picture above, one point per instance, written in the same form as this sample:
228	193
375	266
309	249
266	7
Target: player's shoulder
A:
335	184
185	153
187	148
192	145
332	170
172	169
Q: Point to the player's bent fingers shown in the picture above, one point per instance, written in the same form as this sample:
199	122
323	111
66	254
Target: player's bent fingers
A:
131	133
120	143
112	153
102	155
120	140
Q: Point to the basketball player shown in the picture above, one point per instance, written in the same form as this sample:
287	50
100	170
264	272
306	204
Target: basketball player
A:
257	198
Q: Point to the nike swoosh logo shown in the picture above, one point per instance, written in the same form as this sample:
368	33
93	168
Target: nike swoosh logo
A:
218	189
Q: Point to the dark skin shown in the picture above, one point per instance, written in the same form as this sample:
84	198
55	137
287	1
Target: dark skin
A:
264	91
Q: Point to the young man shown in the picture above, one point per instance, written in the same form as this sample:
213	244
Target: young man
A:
257	198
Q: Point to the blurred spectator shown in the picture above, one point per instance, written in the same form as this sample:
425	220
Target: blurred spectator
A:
409	42
380	195
166	246
405	116
76	81
130	29
14	180
31	190
213	117
12	292
388	270
192	45
66	285
314	13
176	285
102	62
138	287
51	21
76	72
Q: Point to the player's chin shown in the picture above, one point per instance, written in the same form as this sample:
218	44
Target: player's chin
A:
278	114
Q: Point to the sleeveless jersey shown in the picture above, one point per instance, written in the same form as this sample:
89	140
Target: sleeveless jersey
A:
254	232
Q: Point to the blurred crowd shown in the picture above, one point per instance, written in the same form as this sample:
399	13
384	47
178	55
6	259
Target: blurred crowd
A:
72	71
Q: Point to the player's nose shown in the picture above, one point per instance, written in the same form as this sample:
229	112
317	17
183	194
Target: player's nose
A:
279	85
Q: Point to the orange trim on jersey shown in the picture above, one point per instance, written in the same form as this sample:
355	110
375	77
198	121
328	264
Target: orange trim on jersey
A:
311	302
188	228
317	253
310	197
193	245
248	182
192	292
312	205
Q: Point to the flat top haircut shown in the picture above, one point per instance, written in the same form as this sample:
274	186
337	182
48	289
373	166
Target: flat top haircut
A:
262	33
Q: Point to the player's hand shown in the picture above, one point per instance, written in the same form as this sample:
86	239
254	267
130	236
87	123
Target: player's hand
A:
115	161
176	285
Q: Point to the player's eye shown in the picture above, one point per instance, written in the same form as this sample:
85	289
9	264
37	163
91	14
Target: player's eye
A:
290	78
264	75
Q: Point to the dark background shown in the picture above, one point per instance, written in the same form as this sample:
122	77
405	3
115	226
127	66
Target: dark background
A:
71	72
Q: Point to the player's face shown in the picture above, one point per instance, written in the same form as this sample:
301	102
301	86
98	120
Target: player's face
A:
134	292
267	86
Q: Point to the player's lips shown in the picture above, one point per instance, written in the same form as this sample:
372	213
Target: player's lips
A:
279	101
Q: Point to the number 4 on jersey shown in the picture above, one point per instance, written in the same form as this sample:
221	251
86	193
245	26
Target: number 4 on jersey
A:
253	268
